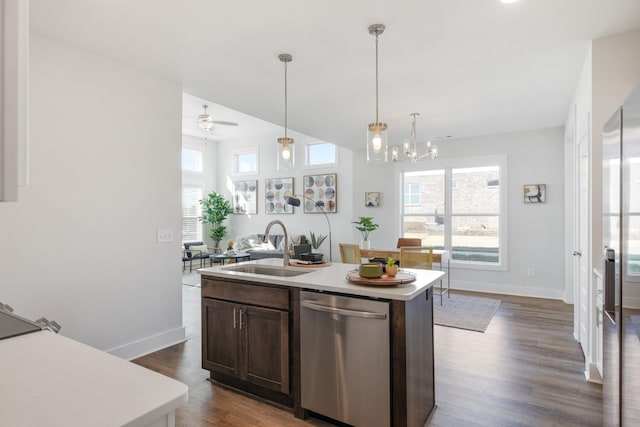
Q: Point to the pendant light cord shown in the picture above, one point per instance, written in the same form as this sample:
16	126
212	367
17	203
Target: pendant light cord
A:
376	78
285	100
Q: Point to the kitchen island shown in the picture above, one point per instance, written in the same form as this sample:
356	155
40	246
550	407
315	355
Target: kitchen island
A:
252	335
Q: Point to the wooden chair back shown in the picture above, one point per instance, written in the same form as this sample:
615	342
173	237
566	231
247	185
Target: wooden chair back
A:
409	241
416	257
350	254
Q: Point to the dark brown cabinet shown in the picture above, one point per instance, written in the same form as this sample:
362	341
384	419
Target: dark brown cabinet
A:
246	342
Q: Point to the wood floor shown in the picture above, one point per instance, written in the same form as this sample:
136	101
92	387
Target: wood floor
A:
525	370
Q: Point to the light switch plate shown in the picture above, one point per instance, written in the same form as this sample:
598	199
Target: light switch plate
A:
165	235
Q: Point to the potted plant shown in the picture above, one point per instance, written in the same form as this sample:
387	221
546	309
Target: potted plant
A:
215	209
316	240
365	225
392	267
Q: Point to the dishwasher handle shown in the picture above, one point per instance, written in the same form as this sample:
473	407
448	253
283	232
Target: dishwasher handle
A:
342	311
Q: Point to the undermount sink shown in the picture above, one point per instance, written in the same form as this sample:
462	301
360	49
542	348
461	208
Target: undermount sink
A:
266	270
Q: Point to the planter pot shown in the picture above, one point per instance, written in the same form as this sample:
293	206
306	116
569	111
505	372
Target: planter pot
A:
392	270
365	244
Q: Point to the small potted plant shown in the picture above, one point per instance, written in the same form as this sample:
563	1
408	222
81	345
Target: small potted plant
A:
365	225
316	240
392	267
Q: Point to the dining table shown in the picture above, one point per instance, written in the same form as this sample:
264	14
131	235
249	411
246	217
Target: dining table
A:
440	256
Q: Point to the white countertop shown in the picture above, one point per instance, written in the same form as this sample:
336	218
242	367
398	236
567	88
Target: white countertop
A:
331	279
50	380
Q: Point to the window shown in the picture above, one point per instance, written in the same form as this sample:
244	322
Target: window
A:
320	154
191	160
246	163
191	211
412	193
468	221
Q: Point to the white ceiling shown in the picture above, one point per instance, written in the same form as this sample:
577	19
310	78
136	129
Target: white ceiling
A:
469	67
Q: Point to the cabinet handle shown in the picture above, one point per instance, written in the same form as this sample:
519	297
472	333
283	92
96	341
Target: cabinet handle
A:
234	318
241	319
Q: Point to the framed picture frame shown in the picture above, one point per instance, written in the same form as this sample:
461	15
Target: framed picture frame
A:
245	197
320	193
535	193
276	191
372	199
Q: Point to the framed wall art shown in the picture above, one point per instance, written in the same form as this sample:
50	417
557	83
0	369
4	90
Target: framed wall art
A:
321	192
372	199
276	191
245	197
535	193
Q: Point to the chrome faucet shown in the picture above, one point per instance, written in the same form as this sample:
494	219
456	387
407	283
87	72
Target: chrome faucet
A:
286	239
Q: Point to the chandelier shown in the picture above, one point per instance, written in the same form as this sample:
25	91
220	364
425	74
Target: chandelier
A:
410	147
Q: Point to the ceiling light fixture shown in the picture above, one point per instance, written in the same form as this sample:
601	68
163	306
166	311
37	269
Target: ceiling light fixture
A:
377	149
204	120
508	1
410	147
285	154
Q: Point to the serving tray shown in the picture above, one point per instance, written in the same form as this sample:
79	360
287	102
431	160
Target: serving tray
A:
309	264
401	278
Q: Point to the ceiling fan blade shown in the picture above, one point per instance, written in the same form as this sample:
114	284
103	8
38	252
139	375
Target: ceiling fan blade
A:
221	122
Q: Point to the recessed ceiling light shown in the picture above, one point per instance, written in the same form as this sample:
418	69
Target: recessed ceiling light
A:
508	1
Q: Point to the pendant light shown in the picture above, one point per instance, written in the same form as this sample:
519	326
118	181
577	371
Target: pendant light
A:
286	155
410	147
377	149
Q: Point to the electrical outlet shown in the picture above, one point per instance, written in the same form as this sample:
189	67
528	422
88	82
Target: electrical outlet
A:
531	272
165	236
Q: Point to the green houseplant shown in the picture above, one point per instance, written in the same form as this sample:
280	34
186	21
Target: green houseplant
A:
215	209
316	239
365	225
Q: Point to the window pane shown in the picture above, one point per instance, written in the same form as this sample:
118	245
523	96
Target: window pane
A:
192	160
247	162
321	154
473	193
425	228
475	238
191	210
424	193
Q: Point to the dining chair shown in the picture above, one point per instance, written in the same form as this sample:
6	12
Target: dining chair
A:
416	257
409	241
350	254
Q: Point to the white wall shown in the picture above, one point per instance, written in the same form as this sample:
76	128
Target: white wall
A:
80	245
535	232
298	222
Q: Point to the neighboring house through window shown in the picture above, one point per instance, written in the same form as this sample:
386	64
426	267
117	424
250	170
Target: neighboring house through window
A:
470	221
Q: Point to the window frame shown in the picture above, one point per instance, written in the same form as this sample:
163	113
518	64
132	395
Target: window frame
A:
236	161
470	162
307	155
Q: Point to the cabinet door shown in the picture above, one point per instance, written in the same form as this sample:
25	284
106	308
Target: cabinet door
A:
220	336
266	347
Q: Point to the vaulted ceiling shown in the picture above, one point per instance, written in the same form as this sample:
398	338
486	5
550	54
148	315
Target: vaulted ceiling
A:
469	67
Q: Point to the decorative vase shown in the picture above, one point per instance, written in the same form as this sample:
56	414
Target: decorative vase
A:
365	244
392	270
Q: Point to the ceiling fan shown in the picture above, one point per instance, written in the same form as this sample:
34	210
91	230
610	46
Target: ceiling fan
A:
206	122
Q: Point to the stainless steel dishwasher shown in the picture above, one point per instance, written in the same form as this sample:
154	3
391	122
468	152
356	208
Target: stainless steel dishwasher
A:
345	362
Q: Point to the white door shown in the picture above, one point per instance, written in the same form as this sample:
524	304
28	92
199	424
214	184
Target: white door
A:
582	239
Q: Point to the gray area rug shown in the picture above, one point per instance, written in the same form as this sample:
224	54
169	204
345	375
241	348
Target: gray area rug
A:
635	319
465	311
191	279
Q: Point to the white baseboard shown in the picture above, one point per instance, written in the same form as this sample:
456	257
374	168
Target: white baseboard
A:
150	344
500	288
630	302
592	374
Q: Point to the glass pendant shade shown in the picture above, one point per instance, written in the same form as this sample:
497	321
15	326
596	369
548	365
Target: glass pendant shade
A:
377	147
286	154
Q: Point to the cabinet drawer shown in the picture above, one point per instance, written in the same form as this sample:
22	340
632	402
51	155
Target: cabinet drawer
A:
246	293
